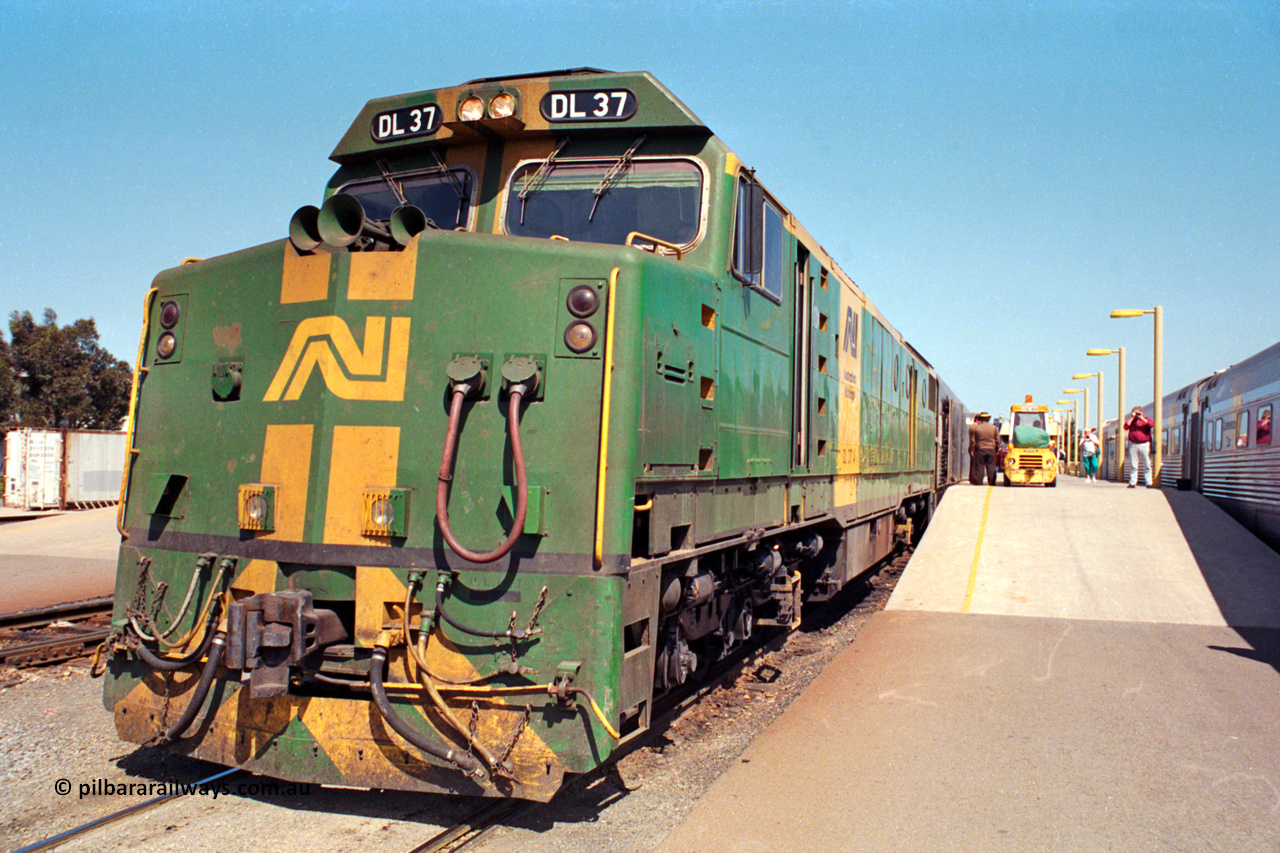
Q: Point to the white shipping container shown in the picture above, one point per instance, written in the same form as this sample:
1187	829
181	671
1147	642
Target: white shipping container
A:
94	465
54	469
33	469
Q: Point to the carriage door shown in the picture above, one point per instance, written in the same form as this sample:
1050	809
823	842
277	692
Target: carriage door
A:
913	417
1193	444
800	364
1185	467
944	443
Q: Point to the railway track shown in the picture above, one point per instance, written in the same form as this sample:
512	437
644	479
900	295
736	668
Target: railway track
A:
51	634
490	815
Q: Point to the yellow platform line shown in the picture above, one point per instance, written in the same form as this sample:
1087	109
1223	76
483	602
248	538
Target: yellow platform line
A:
977	552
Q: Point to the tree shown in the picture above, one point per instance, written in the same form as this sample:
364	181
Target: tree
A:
63	376
8	384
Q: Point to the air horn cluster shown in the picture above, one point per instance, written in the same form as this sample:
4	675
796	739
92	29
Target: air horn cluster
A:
341	221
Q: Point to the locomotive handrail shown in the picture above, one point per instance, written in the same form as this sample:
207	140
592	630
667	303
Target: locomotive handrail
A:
606	401
138	370
656	241
446	474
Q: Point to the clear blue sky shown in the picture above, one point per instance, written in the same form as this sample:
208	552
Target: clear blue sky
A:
996	176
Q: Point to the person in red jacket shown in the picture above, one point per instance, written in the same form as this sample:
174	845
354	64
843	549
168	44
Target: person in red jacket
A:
1138	426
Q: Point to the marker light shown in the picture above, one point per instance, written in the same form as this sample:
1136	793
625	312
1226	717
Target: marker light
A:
502	105
583	301
472	109
580	336
169	313
167	345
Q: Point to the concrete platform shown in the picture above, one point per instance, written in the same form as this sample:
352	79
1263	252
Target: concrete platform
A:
48	559
1094	668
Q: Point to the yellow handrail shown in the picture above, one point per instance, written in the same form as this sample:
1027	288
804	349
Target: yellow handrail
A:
604	417
138	372
631	238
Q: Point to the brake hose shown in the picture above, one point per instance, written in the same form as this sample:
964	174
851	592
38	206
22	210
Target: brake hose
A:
202	690
463	761
460	392
164	664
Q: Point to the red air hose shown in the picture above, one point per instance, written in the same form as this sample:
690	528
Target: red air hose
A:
446	474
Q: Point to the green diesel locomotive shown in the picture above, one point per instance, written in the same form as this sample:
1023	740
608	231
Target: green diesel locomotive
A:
549	405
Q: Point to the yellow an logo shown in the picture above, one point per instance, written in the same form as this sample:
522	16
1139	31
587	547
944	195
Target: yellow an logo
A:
327	343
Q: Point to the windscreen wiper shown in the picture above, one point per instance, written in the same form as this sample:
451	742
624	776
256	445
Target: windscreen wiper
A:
611	176
536	180
396	189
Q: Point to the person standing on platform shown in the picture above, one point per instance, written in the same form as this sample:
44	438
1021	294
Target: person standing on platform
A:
984	444
1138	426
1089	456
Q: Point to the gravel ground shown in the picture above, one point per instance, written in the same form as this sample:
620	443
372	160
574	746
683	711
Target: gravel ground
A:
55	735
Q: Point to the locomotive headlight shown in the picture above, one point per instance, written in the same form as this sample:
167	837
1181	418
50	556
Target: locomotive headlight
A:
580	336
167	345
169	314
257	507
386	512
583	301
472	109
382	513
502	105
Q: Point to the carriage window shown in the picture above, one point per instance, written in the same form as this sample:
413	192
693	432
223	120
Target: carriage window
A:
769	278
444	198
1217	434
597	202
1263	432
773	250
1177	441
1242	429
1164	441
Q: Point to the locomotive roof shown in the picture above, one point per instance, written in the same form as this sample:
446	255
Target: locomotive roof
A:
556	102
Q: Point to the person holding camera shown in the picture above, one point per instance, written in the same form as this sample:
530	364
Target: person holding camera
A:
1139	426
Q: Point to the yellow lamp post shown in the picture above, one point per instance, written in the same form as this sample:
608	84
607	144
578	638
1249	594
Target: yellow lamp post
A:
1157	315
1119	404
1099	397
1075	427
1064	432
1085	391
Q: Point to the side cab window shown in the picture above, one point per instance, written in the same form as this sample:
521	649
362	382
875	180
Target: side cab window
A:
759	240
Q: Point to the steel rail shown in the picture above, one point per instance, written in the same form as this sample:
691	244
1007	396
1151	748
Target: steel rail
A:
42	617
56	840
53	650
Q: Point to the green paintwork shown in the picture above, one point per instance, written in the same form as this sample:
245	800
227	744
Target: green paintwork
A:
702	423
